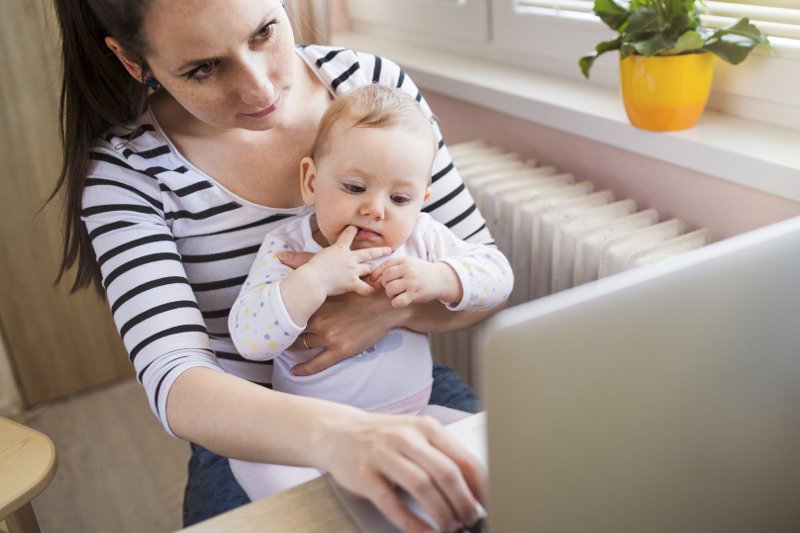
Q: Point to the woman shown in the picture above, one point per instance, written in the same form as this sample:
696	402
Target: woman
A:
183	129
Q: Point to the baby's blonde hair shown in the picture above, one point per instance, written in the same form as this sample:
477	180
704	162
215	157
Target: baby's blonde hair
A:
372	106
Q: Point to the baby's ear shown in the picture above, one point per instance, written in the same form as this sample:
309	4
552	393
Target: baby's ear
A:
308	173
427	195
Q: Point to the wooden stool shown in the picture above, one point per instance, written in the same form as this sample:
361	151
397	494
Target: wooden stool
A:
27	465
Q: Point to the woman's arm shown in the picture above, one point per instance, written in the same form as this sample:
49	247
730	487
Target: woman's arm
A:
368	454
434	317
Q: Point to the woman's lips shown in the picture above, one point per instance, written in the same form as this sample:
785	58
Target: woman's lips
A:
264	112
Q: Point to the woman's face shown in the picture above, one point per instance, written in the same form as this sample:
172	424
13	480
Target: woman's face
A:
229	63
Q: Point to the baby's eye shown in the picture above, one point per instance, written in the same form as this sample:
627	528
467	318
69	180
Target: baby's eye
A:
353	188
400	199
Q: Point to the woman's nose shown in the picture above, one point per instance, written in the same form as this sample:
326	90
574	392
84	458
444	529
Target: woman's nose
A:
255	86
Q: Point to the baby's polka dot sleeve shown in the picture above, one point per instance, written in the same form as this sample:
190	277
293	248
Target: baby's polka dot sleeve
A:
484	272
259	323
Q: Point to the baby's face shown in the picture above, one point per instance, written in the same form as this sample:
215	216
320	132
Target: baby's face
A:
375	179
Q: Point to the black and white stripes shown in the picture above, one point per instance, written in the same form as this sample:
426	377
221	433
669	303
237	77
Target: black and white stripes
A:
174	247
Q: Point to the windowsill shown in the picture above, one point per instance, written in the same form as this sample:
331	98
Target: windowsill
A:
754	154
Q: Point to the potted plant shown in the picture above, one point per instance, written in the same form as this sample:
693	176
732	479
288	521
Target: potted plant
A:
667	58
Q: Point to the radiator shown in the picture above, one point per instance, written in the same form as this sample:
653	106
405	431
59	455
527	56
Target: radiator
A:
556	231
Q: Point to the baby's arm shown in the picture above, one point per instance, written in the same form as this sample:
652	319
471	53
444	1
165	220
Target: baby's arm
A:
461	275
276	302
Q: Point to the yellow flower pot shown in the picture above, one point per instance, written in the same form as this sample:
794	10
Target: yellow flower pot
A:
666	93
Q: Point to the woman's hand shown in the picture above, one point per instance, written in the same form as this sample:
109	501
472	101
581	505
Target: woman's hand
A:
344	326
379	453
347	325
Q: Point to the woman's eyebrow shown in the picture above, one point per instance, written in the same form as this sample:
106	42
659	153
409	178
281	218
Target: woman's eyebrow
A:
194	62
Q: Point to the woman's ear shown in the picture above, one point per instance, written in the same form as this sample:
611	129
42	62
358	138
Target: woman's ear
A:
129	61
308	172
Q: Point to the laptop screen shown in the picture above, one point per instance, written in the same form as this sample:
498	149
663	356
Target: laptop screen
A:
662	399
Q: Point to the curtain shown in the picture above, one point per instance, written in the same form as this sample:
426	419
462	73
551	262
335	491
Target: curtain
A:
313	20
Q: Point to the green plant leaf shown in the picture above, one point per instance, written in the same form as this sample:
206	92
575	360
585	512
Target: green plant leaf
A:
680	24
735	43
612	12
689	41
586	62
626	49
653	45
743	28
733	49
645	20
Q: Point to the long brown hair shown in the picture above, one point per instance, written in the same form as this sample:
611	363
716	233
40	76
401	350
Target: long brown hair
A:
96	93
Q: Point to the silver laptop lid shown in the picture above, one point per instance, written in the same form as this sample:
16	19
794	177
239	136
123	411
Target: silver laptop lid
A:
661	399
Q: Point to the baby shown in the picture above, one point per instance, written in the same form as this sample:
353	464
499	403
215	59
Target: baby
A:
367	178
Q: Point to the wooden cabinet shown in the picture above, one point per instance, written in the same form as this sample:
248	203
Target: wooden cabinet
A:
58	344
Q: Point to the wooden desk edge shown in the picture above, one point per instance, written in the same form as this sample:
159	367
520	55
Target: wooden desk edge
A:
310	507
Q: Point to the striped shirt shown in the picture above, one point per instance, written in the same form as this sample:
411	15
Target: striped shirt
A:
174	246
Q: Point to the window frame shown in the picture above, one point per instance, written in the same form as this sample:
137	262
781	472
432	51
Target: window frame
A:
462	20
763	88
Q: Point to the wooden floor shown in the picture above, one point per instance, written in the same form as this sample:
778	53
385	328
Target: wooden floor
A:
117	468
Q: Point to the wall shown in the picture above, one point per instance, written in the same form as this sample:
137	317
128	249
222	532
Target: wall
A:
10	400
60	344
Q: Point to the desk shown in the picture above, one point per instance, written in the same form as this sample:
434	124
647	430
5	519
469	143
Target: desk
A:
27	465
309	507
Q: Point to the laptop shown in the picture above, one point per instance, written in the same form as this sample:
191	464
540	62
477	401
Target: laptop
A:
663	399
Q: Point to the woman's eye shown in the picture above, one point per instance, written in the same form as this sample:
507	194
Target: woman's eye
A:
201	71
400	200
265	32
354	189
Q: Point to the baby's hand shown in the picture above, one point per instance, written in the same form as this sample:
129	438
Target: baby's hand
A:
340	269
409	279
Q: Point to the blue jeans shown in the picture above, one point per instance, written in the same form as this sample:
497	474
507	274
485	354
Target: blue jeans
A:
211	488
